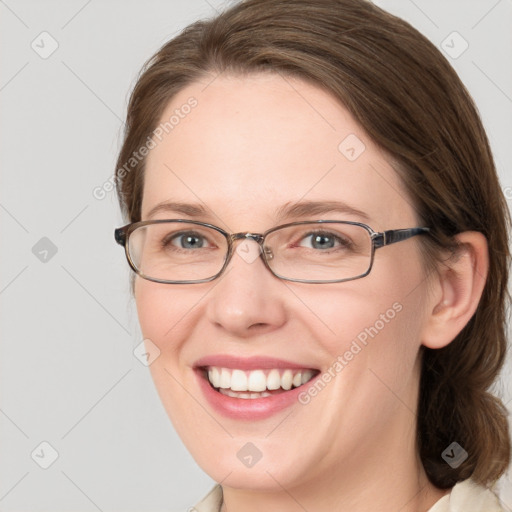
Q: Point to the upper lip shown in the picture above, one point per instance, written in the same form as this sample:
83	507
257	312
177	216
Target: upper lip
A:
248	363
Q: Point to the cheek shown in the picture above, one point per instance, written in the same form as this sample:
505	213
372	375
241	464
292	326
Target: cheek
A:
364	314
373	323
167	317
163	312
370	360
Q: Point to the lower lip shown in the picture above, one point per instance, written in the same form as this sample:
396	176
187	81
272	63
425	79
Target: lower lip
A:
250	408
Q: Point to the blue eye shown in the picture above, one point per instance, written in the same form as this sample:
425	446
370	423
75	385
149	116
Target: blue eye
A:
187	240
323	240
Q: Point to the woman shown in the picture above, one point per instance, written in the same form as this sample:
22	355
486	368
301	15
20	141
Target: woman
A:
321	249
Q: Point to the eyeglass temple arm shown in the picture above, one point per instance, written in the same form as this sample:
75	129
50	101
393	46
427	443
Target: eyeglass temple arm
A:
120	236
396	235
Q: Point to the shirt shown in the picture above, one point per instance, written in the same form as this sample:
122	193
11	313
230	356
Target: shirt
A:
466	496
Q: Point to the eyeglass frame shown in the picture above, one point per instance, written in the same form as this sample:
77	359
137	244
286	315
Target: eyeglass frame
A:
378	239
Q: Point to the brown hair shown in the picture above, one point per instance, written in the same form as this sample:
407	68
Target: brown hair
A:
404	93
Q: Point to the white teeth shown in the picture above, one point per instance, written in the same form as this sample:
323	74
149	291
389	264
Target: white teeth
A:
245	396
213	375
238	381
225	379
307	376
273	379
255	383
287	379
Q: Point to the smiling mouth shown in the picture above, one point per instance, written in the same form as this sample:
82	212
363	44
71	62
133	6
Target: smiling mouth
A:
252	384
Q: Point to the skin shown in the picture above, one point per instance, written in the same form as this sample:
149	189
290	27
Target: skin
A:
251	145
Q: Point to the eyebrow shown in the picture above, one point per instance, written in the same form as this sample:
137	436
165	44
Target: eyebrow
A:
285	212
313	208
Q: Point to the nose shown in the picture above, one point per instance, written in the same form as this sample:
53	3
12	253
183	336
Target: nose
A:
247	299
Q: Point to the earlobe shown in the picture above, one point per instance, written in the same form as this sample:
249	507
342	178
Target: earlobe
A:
458	287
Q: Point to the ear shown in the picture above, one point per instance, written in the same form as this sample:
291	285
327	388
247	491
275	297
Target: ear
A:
456	290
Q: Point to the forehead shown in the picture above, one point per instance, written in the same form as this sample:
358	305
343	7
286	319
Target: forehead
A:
245	147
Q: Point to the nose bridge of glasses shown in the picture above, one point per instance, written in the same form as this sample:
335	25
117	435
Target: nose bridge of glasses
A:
256	237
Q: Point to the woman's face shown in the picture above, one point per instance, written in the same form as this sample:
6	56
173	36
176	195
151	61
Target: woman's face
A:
249	148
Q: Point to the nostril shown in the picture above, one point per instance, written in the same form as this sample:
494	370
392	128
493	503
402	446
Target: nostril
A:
258	325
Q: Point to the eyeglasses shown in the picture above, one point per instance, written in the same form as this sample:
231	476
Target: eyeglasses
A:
182	251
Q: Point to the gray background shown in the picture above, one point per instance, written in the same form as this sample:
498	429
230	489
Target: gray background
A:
68	375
